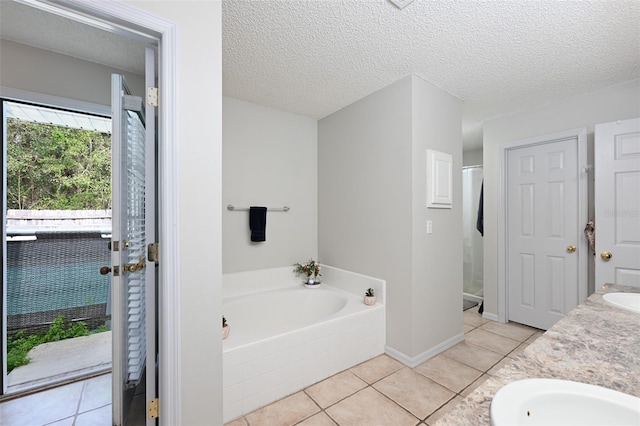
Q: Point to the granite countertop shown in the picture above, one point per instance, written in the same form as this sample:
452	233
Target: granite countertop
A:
595	343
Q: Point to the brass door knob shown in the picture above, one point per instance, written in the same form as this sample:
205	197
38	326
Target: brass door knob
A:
571	249
605	255
105	270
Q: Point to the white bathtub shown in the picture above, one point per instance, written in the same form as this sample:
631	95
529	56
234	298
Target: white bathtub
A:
285	337
263	315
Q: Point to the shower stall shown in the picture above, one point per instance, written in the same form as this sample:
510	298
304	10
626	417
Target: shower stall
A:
473	285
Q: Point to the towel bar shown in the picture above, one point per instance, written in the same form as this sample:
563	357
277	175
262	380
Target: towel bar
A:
271	209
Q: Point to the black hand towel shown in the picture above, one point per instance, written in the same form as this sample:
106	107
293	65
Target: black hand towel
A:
480	220
258	223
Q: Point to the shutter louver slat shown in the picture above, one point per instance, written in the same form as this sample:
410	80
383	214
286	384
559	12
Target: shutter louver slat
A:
135	225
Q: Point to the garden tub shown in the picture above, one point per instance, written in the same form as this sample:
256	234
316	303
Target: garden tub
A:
285	336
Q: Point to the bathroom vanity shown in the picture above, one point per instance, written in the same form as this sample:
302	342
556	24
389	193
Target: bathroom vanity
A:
596	343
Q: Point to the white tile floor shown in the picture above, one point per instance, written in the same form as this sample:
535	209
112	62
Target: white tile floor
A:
381	391
86	402
83	403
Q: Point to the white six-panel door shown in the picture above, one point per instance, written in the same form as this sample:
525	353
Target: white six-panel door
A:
543	231
617	201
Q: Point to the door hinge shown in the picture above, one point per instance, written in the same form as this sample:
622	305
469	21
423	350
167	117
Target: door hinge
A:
152	96
153	408
153	252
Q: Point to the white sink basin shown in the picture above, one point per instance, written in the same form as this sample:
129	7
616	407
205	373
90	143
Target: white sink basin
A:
561	402
627	301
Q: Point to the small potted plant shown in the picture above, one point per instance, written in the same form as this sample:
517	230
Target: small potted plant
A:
311	272
370	297
225	328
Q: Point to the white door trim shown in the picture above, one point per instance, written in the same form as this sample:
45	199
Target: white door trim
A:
122	15
503	150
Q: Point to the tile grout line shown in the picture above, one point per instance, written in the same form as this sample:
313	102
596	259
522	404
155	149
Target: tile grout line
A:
434	411
370	385
75	417
506	337
400	406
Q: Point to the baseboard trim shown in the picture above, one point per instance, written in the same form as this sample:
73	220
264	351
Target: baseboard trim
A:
490	316
472	297
428	354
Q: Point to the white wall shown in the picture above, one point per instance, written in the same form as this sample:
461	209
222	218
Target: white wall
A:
437	257
472	157
40	71
612	103
364	197
270	159
199	139
372	207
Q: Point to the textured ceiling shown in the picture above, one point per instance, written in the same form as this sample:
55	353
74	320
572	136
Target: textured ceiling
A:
315	57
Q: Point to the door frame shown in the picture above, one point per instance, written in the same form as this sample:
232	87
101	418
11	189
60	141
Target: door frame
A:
503	151
121	17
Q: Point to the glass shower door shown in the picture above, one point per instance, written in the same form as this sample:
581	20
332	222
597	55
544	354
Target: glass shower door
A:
473	284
